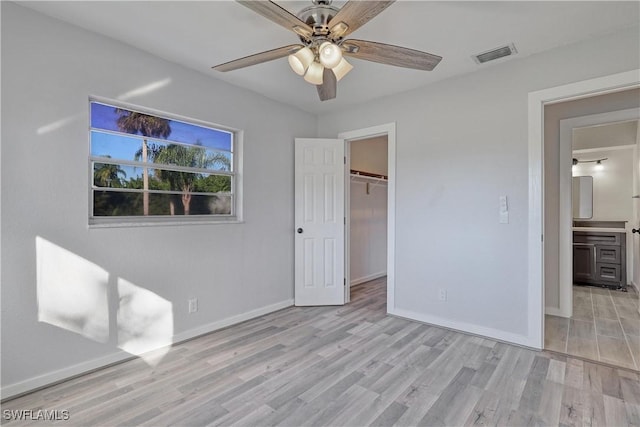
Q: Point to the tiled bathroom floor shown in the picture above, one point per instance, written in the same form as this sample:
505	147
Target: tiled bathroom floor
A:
605	327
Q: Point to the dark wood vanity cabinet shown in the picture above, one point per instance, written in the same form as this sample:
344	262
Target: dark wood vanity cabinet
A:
599	258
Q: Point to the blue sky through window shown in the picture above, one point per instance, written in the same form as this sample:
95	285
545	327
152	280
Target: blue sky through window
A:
105	117
119	147
114	146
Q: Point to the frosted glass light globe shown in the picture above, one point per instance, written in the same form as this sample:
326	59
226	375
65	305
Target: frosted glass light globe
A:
314	73
299	61
342	69
330	54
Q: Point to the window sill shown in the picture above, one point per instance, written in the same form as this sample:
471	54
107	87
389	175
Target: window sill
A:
97	224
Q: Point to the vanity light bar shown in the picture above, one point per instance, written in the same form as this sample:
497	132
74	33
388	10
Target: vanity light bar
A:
576	161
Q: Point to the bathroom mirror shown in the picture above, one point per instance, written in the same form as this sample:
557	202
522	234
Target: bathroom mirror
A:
582	197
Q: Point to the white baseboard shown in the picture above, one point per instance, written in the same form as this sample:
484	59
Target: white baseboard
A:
635	285
368	278
31	384
210	327
495	334
34	383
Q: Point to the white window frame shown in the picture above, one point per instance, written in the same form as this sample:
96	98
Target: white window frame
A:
168	220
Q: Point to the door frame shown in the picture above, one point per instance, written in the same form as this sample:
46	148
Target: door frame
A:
388	129
536	103
565	257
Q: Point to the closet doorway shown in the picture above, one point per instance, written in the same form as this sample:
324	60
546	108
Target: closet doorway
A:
387	130
367	213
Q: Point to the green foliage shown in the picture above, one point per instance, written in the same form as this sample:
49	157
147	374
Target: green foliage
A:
188	182
213	184
180	155
111	203
108	175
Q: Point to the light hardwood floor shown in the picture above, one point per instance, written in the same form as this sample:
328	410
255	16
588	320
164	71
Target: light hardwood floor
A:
345	366
605	326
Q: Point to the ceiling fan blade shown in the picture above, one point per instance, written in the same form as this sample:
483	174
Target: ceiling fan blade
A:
390	54
258	58
355	14
327	90
279	15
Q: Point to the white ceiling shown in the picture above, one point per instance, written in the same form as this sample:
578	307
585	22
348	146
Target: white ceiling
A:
609	135
201	34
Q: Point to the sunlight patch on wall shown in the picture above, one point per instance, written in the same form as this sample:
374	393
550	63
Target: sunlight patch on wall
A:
143	90
58	124
139	91
71	292
145	323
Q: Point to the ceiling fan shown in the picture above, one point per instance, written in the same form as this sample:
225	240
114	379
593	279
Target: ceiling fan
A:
322	29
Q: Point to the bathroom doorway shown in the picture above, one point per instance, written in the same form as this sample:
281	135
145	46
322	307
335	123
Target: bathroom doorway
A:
596	317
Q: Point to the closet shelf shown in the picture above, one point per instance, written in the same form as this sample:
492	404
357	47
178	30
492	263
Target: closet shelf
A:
368	176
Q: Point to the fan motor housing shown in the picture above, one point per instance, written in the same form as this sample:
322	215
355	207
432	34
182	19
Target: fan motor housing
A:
318	17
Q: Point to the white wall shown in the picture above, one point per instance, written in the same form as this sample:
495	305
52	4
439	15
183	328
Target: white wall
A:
368	246
450	177
49	69
370	155
612	185
611	135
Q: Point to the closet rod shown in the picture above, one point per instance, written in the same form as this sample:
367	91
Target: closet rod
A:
363	174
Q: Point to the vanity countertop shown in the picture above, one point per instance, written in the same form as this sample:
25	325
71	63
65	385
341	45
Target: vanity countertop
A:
602	229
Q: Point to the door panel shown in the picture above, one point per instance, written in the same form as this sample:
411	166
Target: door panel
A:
584	262
319	221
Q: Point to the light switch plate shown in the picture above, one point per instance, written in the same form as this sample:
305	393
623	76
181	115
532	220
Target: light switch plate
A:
504	210
504	217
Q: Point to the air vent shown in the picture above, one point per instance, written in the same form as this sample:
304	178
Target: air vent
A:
493	54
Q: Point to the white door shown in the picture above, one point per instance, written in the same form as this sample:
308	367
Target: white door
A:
319	221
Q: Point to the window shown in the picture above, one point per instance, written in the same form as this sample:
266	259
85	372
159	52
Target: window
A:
151	168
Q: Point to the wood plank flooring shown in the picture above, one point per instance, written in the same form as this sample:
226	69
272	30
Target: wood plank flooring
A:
344	366
605	327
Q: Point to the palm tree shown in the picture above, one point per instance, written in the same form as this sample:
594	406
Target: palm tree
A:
108	175
194	157
147	126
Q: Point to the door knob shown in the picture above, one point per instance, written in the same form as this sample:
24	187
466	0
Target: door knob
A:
635	230
299	230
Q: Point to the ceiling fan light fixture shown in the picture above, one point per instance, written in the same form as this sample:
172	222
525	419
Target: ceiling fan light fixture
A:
314	73
330	54
342	69
318	56
300	61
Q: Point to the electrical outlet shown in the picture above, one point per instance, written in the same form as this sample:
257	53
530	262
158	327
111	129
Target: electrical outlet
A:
193	305
442	295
